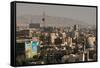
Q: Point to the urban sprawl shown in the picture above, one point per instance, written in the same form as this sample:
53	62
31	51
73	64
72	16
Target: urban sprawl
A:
38	44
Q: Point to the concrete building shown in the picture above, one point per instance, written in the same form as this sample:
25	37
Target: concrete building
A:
34	25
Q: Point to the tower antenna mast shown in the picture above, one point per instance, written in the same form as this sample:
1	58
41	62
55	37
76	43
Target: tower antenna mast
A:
43	19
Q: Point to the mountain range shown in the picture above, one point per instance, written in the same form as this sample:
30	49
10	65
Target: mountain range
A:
50	20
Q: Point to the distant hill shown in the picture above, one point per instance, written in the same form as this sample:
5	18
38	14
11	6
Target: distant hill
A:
50	20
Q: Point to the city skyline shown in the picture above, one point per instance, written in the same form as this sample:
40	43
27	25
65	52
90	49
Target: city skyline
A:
53	34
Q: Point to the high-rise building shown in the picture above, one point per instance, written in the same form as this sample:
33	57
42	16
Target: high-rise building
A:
76	27
76	32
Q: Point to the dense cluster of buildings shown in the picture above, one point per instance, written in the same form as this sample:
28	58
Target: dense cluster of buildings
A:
40	44
43	45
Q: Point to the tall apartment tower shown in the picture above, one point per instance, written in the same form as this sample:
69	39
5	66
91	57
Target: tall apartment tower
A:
76	31
76	27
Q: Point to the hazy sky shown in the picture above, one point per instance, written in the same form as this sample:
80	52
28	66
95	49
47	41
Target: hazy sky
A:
84	14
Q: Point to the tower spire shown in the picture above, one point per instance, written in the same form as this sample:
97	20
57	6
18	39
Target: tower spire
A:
43	19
